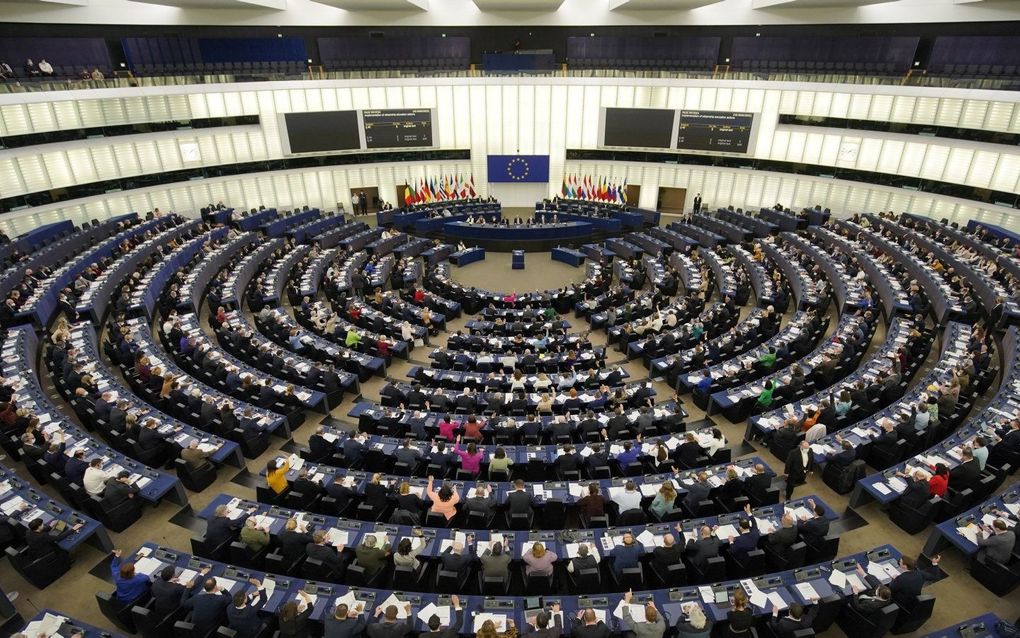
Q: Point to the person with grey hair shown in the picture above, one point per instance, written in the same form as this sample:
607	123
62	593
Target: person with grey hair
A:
370	557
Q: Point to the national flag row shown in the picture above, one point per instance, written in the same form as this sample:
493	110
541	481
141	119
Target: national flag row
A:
440	189
593	189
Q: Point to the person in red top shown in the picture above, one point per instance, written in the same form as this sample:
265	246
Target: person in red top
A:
355	313
939	482
383	347
221	315
473	429
419	295
447	428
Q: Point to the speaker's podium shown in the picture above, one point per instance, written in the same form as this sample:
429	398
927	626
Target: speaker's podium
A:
517	260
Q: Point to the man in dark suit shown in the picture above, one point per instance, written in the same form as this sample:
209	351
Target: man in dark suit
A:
482	501
55	458
587	625
435	624
466	401
221	529
870	603
345	622
541	628
103	406
917	492
326	554
846	454
628	554
457	558
243	615
966	474
74	469
798	619
150	438
799	465
696	493
906	587
814	530
783	538
42	541
119	490
167	593
519	501
747	540
886	442
208	606
118	416
701	546
668	554
319	447
389	626
306	486
758	483
354	449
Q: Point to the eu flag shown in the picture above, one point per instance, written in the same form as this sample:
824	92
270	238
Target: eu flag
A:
518	168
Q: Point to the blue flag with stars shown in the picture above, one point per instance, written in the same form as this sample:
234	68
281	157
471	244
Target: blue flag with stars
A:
518	168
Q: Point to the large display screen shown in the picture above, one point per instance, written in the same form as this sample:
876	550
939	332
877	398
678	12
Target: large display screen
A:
398	128
647	128
721	131
323	131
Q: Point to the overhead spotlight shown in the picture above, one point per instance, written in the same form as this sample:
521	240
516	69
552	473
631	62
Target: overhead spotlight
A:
727	60
122	65
593	35
917	63
757	35
444	35
279	35
309	60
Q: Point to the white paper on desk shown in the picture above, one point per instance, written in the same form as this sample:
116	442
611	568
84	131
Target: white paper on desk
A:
430	610
855	581
225	584
707	595
807	591
890	569
147	566
186	575
882	489
801	512
347	599
877	571
726	531
380	538
396	602
330	438
897	484
765	526
837	579
646	538
573	547
777	600
635	611
1014	508
497	619
970	533
576	490
49	625
337	537
758	598
650	490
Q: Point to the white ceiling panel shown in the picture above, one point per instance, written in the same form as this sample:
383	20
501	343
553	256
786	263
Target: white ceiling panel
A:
518	5
377	5
659	5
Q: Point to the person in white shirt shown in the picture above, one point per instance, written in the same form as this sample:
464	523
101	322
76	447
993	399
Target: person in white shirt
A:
45	67
96	478
629	499
405	331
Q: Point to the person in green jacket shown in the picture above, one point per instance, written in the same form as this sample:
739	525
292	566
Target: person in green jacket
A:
765	398
353	339
254	538
768	359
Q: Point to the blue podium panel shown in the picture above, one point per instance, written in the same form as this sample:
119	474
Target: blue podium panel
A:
568	256
467	256
517	260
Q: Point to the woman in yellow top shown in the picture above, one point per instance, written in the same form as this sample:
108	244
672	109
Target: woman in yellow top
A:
276	475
